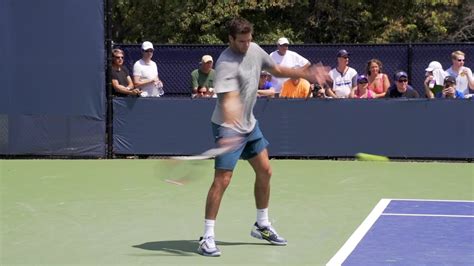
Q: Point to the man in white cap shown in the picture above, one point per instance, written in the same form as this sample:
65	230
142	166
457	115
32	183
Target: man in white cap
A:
434	78
284	57
145	73
203	78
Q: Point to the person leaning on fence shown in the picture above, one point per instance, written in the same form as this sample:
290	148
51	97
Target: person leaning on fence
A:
203	77
344	77
145	73
362	90
378	81
401	89
434	78
265	86
287	58
120	77
203	92
462	74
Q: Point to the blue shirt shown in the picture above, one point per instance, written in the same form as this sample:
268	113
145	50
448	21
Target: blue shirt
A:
457	94
266	86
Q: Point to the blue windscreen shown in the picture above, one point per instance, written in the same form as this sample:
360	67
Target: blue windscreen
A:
53	77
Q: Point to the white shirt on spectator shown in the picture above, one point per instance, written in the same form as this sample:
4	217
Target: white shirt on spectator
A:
147	71
343	82
462	82
290	59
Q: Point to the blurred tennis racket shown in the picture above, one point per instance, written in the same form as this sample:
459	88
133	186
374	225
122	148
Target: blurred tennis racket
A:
180	170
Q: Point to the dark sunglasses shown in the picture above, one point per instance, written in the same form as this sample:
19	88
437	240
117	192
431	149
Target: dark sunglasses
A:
148	51
460	60
402	80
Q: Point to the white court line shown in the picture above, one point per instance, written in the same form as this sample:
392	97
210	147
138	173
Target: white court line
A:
358	234
428	215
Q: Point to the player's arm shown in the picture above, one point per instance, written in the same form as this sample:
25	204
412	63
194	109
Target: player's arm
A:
317	73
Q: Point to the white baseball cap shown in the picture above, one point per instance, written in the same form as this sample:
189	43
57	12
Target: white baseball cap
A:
206	58
147	45
433	65
282	41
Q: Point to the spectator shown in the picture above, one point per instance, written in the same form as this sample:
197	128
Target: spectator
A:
344	78
401	89
265	86
121	81
317	91
362	90
295	88
462	74
284	57
203	92
145	73
434	79
449	89
378	81
203	76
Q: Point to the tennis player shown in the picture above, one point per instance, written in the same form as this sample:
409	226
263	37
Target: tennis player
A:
234	125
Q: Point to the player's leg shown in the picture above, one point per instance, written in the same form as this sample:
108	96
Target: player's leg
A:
207	245
262	228
263	172
216	191
257	155
224	165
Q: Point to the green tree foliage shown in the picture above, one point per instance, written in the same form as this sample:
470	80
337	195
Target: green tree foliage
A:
304	21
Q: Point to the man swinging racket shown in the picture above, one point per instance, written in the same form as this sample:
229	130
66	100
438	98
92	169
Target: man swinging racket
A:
234	125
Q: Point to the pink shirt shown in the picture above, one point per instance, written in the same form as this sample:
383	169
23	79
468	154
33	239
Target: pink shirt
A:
370	94
379	81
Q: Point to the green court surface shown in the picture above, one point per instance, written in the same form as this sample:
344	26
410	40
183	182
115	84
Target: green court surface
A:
118	212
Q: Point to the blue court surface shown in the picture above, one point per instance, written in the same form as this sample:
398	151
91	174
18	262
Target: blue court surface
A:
412	232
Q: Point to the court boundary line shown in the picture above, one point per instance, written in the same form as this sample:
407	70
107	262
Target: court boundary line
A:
400	199
426	215
351	243
343	253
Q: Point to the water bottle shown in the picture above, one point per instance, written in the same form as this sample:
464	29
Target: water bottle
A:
432	83
159	86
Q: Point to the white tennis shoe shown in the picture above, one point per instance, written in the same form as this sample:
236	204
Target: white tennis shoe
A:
207	247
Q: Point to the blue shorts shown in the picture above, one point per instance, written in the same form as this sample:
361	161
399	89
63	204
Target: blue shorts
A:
252	144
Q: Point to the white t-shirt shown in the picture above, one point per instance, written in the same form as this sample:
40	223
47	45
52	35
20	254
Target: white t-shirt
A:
343	82
146	71
290	59
462	82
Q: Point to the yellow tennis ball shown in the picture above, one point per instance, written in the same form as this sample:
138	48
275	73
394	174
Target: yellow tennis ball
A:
371	157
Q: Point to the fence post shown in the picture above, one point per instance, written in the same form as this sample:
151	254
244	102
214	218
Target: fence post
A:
108	50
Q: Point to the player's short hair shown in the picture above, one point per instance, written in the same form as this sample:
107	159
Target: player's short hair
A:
239	25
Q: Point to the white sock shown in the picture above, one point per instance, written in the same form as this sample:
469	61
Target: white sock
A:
209	228
262	217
